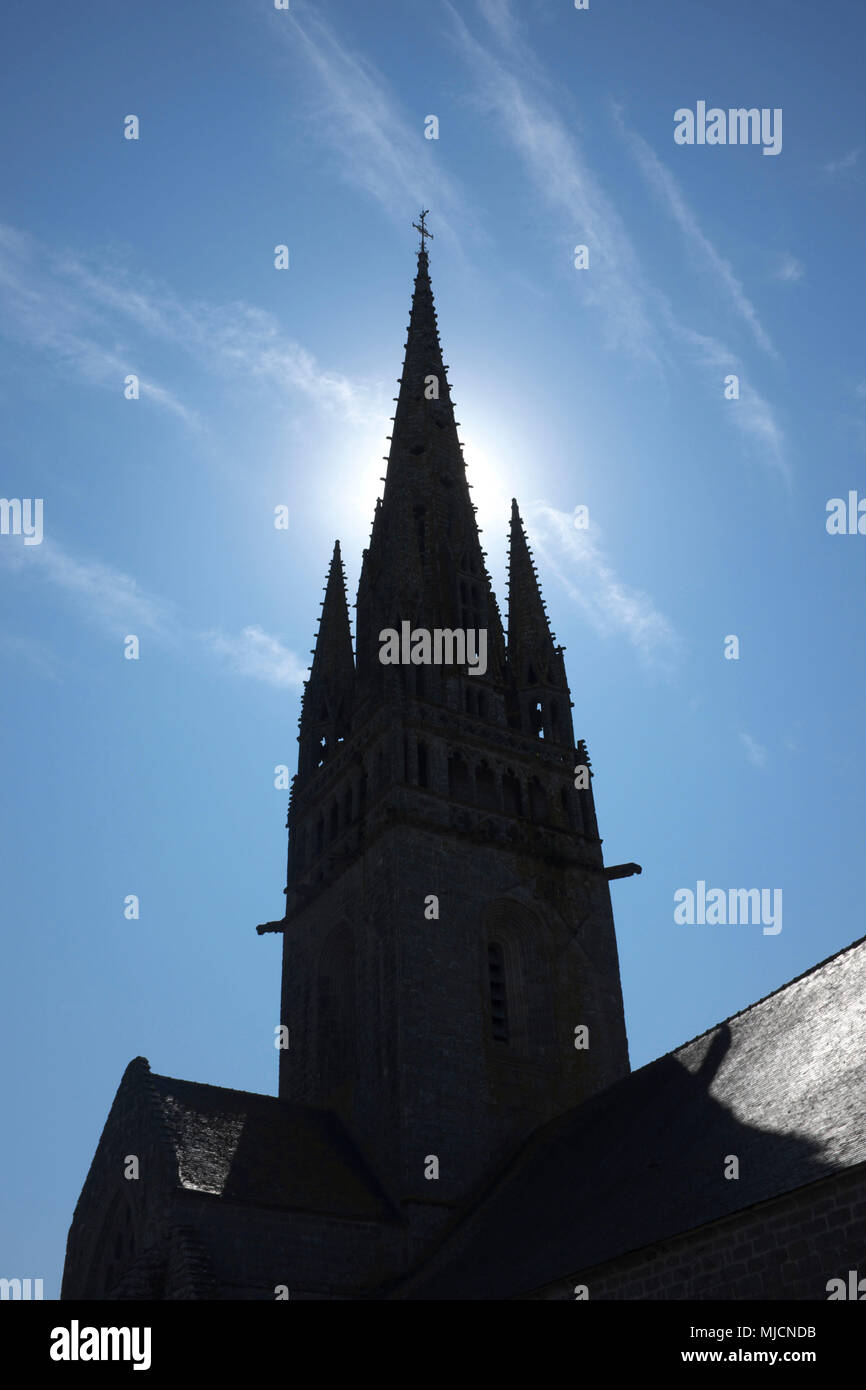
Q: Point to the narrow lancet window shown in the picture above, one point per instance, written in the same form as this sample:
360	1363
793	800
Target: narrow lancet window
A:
498	1001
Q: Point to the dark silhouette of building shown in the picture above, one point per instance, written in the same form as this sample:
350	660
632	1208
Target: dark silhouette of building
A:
456	1115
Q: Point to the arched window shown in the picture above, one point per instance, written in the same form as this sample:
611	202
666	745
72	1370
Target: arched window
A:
537	801
516	960
485	787
511	799
381	773
498	999
458	778
300	838
420	514
554	721
336	1022
422	764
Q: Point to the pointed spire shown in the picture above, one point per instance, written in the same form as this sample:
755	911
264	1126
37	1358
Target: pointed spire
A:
327	701
528	627
424	562
535	662
332	660
425	431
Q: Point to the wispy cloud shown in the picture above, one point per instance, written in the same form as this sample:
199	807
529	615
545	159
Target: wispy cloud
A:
842	165
790	269
640	316
115	602
42	308
751	414
755	752
500	17
613	607
579	209
545	141
255	654
379	147
234	338
756	418
666	187
104	594
29	653
79	314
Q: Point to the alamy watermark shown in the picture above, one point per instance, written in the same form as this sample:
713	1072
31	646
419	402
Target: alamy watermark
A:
77	1343
737	906
736	126
855	1289
846	518
22	516
21	1289
443	646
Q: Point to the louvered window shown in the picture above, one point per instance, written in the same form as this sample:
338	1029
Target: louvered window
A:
498	1001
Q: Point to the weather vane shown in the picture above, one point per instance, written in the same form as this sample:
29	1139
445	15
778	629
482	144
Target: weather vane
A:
422	229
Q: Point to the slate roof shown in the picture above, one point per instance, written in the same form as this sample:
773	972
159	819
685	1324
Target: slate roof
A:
257	1149
781	1085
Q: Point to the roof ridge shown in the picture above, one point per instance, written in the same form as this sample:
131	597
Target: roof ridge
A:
764	997
236	1090
458	1237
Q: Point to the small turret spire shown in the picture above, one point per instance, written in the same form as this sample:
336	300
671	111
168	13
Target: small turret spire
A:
327	702
536	662
528	628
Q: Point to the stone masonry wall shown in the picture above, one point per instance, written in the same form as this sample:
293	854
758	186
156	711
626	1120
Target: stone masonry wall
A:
787	1248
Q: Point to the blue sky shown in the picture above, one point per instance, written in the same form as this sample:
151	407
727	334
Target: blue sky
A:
601	387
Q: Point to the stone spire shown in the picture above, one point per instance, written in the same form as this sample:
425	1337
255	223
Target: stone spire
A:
425	431
535	662
424	562
328	694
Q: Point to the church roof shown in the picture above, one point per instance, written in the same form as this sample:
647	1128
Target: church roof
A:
781	1086
257	1149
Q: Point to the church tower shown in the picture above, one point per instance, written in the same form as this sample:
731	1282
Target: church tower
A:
448	933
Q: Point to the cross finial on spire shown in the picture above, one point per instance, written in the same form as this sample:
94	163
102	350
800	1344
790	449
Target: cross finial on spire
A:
423	230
